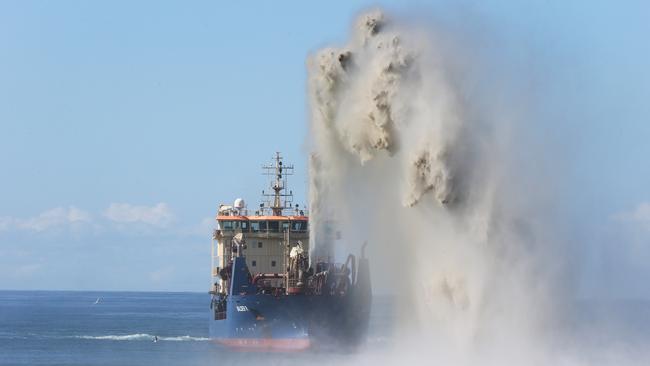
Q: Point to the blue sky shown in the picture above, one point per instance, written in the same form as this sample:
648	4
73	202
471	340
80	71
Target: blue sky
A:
124	124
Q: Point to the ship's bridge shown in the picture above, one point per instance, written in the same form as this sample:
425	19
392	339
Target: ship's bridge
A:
263	224
266	239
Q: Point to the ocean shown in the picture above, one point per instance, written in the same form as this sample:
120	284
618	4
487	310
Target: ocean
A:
118	328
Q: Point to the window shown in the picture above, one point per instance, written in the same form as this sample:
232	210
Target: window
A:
263	226
285	226
272	263
253	263
299	226
243	225
226	225
259	244
274	226
255	226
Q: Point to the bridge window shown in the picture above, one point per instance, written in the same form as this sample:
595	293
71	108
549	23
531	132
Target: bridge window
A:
263	226
285	226
255	226
226	225
243	225
299	226
274	226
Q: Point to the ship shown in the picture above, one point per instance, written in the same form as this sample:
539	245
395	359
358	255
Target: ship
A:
270	291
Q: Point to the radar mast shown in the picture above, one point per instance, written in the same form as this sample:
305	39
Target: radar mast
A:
278	200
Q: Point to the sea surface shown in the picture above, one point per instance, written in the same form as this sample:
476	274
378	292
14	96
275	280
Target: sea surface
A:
118	328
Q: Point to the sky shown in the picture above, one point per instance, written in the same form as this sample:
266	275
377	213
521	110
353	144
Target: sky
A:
124	124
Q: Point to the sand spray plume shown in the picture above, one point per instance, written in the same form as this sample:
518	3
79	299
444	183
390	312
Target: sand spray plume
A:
399	159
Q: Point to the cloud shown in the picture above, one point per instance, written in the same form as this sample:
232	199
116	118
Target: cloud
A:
157	215
639	215
53	218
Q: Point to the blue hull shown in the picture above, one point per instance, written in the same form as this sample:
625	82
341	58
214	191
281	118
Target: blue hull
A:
293	322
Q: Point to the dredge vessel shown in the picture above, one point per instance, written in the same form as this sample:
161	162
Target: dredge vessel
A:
270	291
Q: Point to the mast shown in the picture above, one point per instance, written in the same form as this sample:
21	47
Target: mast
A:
277	201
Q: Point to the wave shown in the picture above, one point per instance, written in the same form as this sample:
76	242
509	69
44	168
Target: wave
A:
142	337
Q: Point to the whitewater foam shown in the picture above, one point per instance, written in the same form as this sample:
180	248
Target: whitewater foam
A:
142	337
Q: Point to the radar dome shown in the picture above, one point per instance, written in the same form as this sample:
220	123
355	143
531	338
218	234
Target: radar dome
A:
239	203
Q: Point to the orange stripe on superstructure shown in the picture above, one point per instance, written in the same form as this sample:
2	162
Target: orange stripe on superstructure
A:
260	218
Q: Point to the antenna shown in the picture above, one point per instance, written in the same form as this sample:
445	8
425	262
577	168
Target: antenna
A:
278	184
